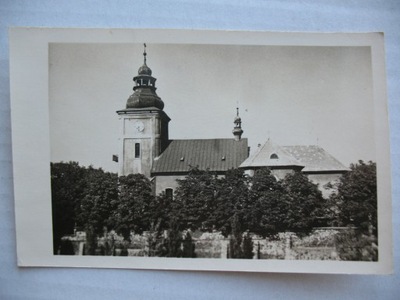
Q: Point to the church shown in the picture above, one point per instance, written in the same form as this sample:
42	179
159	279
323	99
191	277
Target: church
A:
145	147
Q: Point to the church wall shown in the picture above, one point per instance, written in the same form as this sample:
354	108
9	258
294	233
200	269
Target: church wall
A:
278	173
148	129
167	182
281	173
137	165
322	180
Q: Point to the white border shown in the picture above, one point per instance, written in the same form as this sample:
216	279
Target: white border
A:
31	145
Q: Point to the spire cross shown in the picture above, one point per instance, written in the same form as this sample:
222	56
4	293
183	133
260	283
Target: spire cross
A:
144	52
237	111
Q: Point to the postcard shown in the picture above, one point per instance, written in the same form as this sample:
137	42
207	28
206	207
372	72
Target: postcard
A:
201	150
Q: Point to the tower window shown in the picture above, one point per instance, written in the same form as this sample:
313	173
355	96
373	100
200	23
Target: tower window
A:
169	193
274	156
137	150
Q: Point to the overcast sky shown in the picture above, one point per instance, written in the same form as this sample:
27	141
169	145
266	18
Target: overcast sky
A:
294	95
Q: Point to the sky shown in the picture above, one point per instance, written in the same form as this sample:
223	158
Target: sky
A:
294	95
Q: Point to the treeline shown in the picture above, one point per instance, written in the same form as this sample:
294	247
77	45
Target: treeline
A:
97	202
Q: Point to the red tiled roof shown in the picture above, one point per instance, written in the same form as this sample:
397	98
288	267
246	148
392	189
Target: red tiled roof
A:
213	154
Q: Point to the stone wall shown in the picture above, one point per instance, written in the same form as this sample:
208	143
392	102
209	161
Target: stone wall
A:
319	245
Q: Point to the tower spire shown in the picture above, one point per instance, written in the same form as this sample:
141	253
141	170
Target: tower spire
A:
144	95
144	53
237	129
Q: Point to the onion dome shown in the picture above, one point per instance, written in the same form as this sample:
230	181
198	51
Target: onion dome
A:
144	95
144	70
237	120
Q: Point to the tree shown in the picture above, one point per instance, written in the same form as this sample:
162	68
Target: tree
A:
235	240
354	244
194	199
231	198
240	244
247	246
356	207
356	197
160	209
100	196
169	243
67	191
132	210
270	205
306	204
188	246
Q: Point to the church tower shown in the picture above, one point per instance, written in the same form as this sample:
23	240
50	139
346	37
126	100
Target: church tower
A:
144	125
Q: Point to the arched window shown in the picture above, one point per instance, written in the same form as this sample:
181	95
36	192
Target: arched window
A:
273	156
137	150
169	193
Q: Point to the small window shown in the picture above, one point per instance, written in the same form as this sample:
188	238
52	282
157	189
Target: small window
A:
137	150
169	193
274	156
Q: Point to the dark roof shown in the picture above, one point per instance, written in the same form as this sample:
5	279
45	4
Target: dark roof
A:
315	159
217	155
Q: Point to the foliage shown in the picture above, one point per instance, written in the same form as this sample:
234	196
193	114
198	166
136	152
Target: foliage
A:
160	210
231	198
235	240
264	205
66	247
357	245
356	206
81	197
170	244
240	244
356	198
132	208
306	204
234	204
188	246
100	196
110	242
269	204
67	190
195	199
247	246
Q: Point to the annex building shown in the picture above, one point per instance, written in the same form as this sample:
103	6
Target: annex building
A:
145	146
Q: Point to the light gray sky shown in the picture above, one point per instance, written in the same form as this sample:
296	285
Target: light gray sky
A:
295	95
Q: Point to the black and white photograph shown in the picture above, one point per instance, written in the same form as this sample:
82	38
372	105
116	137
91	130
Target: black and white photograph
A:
214	151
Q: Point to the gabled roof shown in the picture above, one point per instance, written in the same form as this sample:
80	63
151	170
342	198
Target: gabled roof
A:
217	155
271	155
315	159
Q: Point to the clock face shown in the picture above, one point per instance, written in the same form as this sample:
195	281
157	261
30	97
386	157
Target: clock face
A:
139	126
